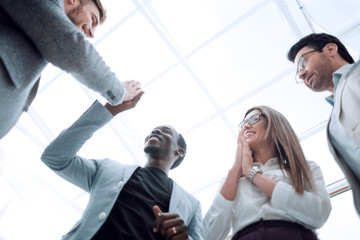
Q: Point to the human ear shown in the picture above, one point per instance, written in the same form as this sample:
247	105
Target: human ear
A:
180	152
332	48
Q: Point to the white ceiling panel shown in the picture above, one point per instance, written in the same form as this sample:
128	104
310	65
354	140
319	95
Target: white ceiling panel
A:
202	65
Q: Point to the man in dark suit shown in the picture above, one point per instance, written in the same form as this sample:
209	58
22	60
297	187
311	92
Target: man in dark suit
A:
36	32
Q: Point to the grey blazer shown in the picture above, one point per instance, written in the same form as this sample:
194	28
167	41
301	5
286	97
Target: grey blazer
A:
34	33
104	179
347	106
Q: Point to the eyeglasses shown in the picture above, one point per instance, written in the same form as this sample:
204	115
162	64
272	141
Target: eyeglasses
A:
301	65
251	120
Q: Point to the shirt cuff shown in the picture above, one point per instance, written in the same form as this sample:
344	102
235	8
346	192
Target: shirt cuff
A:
280	196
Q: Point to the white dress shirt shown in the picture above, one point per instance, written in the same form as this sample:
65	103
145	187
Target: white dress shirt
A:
310	209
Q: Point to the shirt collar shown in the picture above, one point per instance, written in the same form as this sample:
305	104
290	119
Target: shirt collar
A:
330	100
337	75
269	163
336	78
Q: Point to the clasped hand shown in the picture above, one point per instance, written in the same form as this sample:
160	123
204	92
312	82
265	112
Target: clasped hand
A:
243	158
169	225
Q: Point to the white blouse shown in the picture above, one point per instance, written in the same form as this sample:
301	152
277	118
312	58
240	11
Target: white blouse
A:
310	209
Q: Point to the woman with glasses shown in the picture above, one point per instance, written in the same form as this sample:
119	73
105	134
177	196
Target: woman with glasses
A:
271	191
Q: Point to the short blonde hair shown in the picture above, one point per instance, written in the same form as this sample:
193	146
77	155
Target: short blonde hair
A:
287	147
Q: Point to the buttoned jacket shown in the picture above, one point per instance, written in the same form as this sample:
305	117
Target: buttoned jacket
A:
104	179
34	33
347	109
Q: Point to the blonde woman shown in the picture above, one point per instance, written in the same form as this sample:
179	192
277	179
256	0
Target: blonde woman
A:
271	191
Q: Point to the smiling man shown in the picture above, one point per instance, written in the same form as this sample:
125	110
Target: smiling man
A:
324	64
126	201
34	33
85	14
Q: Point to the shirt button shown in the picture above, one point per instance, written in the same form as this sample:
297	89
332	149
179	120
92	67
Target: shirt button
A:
102	216
120	184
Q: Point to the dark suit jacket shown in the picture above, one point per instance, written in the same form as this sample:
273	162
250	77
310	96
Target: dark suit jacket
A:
34	33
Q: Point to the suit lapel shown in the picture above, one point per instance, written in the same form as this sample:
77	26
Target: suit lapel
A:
175	198
339	91
128	172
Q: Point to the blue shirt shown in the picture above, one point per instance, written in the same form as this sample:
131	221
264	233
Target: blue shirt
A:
339	137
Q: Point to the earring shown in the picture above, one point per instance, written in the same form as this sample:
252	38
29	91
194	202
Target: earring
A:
284	162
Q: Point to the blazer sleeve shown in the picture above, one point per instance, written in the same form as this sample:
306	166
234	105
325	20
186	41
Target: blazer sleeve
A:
194	228
61	156
61	43
312	208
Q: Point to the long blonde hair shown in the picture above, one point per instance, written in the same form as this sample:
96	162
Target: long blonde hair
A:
289	153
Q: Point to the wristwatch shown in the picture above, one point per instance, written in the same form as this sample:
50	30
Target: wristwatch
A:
253	172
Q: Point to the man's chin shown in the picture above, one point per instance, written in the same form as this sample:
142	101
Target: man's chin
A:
151	149
313	87
316	88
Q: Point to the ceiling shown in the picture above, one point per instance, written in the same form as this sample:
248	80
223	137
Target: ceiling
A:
202	64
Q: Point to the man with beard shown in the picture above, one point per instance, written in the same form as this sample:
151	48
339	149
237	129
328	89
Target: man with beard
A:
126	201
324	64
36	32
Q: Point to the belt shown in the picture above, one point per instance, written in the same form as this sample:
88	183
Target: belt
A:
269	224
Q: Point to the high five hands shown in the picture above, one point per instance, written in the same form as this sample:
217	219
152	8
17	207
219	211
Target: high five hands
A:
132	89
132	96
169	225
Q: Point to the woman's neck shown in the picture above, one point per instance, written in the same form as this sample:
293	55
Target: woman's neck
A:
264	154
